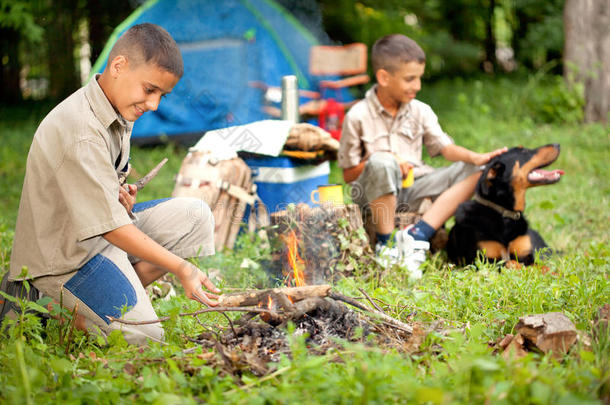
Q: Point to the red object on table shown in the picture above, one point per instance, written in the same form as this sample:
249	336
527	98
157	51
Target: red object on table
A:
331	118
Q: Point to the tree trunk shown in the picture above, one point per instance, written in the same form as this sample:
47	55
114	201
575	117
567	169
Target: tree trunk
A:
490	38
587	53
9	66
103	16
64	77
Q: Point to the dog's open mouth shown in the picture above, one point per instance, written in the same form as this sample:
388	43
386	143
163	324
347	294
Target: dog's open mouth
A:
540	176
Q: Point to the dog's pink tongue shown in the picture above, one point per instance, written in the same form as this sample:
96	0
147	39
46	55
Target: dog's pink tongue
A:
540	174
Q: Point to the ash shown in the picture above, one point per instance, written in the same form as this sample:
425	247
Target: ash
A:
252	344
321	326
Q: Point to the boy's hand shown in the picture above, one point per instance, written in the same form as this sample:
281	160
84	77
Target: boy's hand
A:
192	279
127	196
404	165
483	158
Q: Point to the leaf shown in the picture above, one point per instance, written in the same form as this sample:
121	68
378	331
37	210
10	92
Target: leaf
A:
36	307
8	297
44	301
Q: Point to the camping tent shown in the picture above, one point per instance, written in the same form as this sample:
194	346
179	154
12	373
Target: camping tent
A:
226	46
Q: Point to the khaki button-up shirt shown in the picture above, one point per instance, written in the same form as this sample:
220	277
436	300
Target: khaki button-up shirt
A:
369	127
71	189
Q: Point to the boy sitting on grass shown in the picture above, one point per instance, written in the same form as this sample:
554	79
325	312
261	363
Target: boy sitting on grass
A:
75	233
382	141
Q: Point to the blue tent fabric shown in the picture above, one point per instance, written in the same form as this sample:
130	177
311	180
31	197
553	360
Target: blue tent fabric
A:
226	46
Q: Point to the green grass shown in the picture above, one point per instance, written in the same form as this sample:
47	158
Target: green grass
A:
473	305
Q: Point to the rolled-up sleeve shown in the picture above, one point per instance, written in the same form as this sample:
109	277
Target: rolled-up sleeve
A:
350	145
435	139
90	188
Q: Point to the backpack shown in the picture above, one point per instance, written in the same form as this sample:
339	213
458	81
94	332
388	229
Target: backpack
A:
226	186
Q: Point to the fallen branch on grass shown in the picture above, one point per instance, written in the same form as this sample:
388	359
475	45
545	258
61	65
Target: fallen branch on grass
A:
201	311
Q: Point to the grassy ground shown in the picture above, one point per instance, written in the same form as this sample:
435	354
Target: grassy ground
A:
479	303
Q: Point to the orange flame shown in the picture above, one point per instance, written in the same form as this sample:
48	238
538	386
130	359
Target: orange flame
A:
296	263
269	302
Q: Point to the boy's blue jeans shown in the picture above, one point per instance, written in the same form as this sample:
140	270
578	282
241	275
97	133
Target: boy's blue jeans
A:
107	284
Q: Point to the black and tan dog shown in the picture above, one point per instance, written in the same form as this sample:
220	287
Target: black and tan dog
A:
493	221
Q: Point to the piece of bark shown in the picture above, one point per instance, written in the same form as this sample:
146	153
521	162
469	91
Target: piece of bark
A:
506	341
515	349
255	297
548	332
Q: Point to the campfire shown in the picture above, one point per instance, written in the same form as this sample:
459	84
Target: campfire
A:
259	337
309	244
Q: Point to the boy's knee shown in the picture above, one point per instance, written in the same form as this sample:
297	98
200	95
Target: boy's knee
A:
382	161
140	335
198	213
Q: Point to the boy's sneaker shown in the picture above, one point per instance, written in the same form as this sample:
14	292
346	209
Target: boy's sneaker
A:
386	256
412	252
14	289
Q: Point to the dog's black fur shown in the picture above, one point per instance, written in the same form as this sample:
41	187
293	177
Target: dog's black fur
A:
503	182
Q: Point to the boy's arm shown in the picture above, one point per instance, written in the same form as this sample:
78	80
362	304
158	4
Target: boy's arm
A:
136	243
350	149
352	173
455	153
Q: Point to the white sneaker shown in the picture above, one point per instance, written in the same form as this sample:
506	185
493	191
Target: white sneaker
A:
386	256
412	253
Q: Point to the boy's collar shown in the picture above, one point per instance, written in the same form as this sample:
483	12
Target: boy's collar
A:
371	96
101	106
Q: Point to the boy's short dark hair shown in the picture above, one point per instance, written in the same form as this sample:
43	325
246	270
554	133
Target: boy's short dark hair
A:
149	43
392	50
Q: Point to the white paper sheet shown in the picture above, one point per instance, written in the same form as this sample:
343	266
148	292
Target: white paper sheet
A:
265	137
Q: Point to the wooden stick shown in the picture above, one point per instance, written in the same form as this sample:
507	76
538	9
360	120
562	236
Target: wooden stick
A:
201	311
151	175
369	299
254	297
394	322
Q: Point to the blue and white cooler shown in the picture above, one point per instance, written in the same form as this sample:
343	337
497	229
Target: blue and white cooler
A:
282	180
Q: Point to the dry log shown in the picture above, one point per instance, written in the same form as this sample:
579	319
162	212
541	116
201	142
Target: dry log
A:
255	297
548	332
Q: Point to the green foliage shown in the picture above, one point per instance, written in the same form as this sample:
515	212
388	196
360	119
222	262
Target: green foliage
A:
453	33
18	15
539	98
465	307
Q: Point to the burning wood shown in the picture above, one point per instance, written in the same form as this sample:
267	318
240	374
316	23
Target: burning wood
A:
311	245
256	297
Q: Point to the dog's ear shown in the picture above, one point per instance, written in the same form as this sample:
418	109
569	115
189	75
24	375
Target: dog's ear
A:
493	170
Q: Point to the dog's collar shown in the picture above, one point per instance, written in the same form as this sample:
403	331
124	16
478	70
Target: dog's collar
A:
514	215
